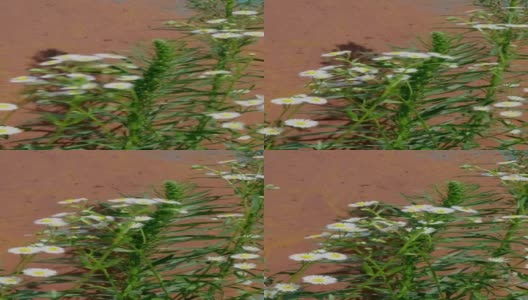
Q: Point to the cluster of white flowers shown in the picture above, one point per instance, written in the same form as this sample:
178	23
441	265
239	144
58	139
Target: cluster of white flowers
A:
224	26
243	177
33	272
8	130
61	77
497	26
293	287
124	202
245	256
39	248
506	110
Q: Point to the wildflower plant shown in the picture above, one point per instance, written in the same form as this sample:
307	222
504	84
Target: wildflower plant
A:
462	90
228	30
457	243
184	243
174	97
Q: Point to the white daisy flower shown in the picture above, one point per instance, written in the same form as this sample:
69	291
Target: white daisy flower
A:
248	103
85	58
287	287
251	248
110	56
88	86
10	280
119	86
245	256
53	222
334	256
7	107
198	31
314	100
364	204
514	177
516	98
489	26
244	266
440	210
216	21
216	258
353	220
51	75
316	74
508	104
245	13
399	76
142	218
249	177
224	115
141	201
347	227
136	225
405	71
407	54
497	259
516	131
316	236
24	79
39	272
226	35
427	230
270	293
8	130
364	70
131	66
287	101
254	33
81	76
511	113
100	218
77	57
119	200
416	208
336	53
301	123
25	250
319	279
382	58
128	78
482	108
71	201
270	131
305	257
52	249
512	217
244	138
234	125
50	62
